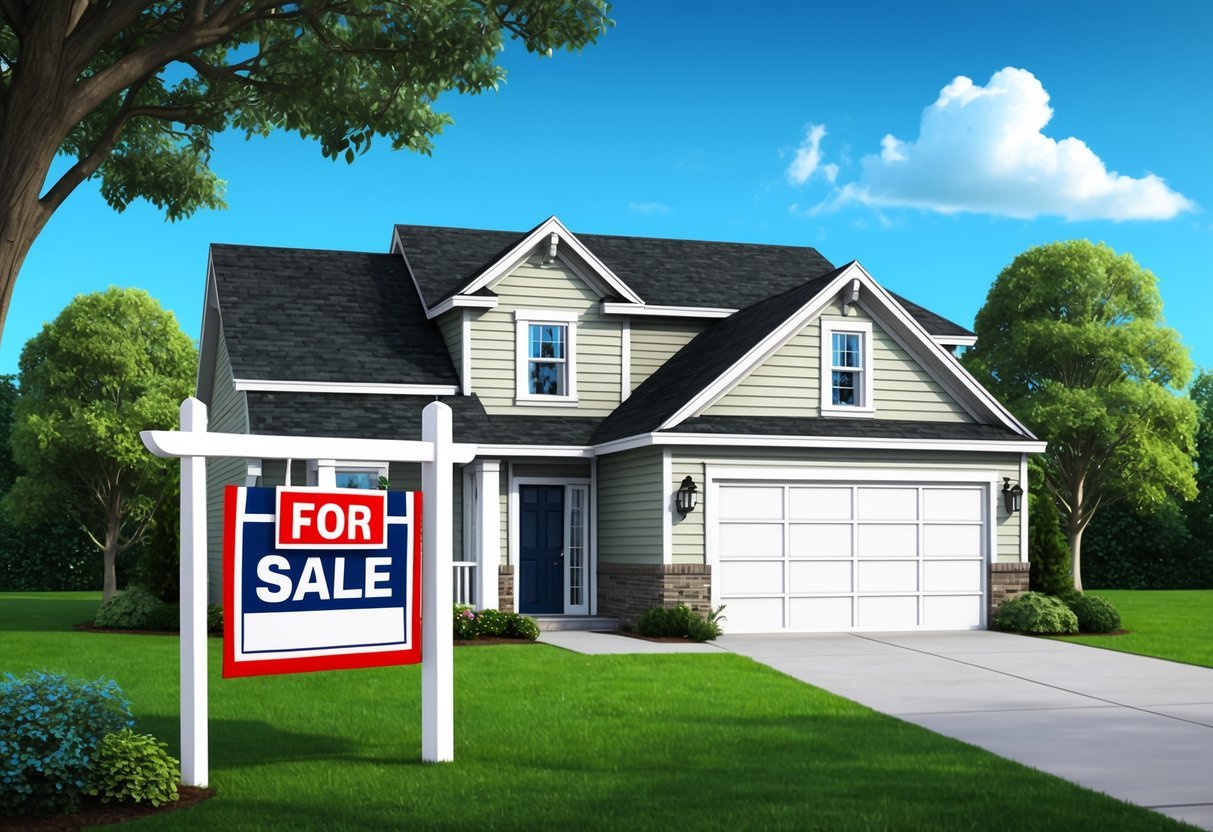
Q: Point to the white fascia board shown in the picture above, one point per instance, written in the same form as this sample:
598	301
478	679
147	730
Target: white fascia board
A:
510	260
772	342
564	451
653	310
954	340
258	385
736	440
462	302
173	443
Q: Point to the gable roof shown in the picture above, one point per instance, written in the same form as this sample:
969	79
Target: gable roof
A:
325	316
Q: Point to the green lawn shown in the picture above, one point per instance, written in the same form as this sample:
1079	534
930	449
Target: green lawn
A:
1172	624
547	739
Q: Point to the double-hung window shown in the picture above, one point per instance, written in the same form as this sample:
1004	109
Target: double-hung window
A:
846	368
545	370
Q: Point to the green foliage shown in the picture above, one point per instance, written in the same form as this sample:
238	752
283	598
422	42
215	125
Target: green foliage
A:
1071	339
214	619
1094	614
680	622
1150	549
109	366
134	768
159	566
50	729
1198	514
470	624
1047	550
1034	612
49	557
133	608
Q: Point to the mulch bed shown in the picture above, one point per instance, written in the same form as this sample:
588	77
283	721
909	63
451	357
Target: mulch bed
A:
95	813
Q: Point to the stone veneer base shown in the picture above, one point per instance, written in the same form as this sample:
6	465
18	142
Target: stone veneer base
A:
1007	580
626	590
505	588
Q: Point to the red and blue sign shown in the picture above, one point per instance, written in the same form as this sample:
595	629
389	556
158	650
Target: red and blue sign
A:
320	579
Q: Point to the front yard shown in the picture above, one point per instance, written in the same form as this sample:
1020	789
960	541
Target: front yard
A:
1174	624
547	739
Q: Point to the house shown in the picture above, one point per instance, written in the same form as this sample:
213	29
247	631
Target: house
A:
847	472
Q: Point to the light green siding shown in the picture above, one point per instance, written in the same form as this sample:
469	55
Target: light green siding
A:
688	534
631	499
788	383
598	341
451	327
653	342
227	412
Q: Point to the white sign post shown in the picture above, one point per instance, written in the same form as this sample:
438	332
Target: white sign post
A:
436	452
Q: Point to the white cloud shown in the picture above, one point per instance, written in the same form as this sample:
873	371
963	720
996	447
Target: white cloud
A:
808	158
982	149
648	208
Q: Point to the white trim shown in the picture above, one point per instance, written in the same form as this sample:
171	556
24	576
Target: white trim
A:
801	472
667	508
867	404
514	504
752	441
1023	509
584	607
486	480
326	470
259	385
769	344
462	302
171	443
656	310
465	352
625	360
592	575
523	320
565	451
954	340
540	236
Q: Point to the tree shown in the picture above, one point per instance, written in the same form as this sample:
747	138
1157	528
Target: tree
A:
135	90
1047	551
112	364
1199	512
1071	339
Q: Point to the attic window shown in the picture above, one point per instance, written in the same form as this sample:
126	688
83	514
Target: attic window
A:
545	369
846	368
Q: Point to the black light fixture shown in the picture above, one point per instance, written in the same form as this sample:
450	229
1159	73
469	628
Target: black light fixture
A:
1012	495
685	499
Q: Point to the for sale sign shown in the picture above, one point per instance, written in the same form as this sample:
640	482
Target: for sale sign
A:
320	579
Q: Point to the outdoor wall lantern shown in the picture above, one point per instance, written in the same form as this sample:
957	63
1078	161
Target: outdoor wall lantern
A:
1012	495
685	499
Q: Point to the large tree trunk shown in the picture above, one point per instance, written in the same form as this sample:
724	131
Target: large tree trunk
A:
1074	538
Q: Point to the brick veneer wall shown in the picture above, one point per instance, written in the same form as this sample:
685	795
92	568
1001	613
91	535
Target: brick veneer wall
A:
626	590
505	588
1006	581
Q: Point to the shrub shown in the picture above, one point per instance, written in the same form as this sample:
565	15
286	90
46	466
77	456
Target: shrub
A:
465	623
492	623
134	768
214	619
470	624
133	608
1035	612
1048	551
1094	614
55	556
680	622
521	626
50	729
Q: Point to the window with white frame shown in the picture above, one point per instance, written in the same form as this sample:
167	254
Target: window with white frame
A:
846	368
546	373
328	473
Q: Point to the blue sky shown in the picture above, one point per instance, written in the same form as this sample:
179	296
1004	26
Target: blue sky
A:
697	121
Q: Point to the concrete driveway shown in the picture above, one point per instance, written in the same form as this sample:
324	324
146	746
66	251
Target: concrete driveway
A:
1136	728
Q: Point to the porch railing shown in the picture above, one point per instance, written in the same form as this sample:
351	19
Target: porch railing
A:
464	582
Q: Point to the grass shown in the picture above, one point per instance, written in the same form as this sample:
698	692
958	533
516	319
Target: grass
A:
1172	624
547	739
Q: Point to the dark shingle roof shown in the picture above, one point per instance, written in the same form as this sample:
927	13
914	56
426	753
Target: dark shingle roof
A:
444	260
869	428
306	315
932	323
703	360
399	417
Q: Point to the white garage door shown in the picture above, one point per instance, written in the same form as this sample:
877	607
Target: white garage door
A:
810	557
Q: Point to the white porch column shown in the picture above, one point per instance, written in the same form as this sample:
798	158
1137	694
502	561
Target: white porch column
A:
488	531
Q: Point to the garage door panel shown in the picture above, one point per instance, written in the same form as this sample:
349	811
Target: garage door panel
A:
951	612
888	613
820	614
940	541
888	576
746	577
952	504
891	541
820	576
887	504
751	540
819	504
751	503
819	540
753	615
952	576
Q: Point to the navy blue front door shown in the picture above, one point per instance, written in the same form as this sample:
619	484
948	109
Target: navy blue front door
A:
541	549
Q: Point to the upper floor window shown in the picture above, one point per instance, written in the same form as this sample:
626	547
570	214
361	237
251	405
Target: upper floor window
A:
846	368
545	361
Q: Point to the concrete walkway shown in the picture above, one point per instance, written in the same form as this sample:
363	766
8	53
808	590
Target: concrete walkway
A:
1136	728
